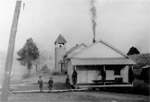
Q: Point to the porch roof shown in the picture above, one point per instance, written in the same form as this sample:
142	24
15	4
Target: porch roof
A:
102	61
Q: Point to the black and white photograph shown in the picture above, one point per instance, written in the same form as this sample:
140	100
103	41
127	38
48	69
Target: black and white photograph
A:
74	50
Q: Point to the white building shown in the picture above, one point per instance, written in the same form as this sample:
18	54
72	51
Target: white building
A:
99	57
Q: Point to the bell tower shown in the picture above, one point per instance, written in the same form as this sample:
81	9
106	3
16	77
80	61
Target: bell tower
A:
60	50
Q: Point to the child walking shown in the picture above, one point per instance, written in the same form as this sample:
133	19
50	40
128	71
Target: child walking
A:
50	83
40	82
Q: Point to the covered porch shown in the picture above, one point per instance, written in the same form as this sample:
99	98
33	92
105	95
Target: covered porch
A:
100	64
99	72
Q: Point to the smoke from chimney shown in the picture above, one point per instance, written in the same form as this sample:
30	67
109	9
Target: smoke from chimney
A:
93	16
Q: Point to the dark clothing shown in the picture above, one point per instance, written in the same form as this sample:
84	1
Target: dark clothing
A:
74	77
50	84
103	74
67	80
40	82
131	76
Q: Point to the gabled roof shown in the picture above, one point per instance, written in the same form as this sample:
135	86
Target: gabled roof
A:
100	49
60	40
100	53
75	49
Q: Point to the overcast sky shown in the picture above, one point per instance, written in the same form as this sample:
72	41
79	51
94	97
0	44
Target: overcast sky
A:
122	23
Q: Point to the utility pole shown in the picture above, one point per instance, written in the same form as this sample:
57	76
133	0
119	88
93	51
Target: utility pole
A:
8	64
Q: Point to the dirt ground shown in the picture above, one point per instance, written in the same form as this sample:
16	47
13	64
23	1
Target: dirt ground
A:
86	96
77	97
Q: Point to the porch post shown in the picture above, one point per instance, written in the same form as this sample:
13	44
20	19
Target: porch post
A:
132	67
132	74
104	74
104	67
75	67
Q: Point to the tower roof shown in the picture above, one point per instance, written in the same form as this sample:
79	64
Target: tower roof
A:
60	40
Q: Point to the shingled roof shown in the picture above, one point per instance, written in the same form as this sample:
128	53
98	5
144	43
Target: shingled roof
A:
60	40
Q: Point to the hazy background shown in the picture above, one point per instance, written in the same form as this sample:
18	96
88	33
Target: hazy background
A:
122	23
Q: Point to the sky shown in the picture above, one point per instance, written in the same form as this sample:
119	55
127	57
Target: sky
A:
122	23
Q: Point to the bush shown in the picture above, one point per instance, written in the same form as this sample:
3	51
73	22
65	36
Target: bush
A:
55	73
45	69
140	87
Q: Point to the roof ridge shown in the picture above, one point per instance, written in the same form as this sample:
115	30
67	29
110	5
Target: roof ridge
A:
107	44
114	48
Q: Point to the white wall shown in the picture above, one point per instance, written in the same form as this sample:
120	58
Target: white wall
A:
87	76
93	75
59	54
82	76
124	74
110	75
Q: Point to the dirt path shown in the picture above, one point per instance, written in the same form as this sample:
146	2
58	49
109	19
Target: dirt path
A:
31	83
78	97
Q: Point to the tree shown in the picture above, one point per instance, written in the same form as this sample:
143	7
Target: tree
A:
28	54
43	57
133	51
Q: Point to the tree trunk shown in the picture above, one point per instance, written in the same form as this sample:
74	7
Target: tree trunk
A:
29	71
29	68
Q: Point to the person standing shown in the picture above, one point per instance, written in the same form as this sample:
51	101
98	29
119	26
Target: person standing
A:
50	83
68	80
40	82
74	77
103	74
